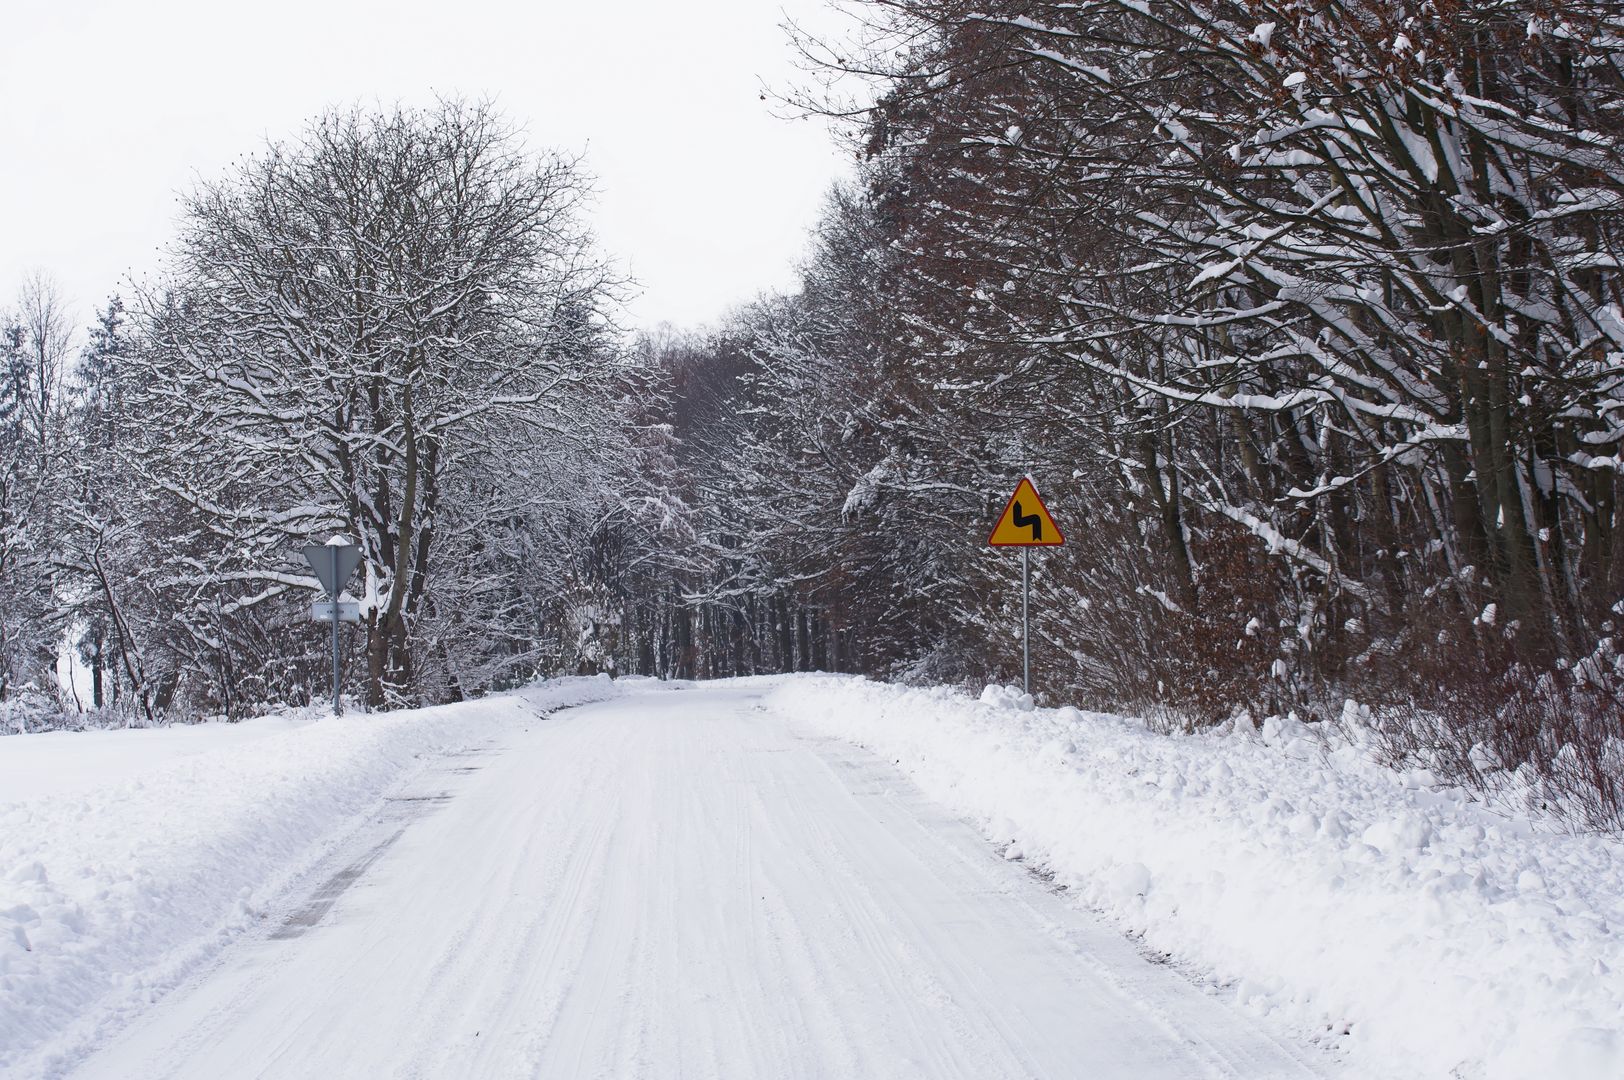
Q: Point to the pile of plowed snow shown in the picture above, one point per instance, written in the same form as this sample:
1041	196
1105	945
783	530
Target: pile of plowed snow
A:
129	857
1398	919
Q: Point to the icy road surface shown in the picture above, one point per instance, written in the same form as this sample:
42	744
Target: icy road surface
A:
678	883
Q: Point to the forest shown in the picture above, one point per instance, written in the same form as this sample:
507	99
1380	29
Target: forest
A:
1307	319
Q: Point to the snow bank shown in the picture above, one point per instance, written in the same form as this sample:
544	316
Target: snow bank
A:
1396	919
122	871
60	762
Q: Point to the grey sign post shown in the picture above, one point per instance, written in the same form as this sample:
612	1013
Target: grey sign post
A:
1026	621
333	564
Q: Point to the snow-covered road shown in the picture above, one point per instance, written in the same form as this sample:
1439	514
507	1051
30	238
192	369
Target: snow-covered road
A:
680	883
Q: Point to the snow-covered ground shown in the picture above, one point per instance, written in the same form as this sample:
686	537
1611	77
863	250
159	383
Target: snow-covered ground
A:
63	762
1407	925
776	877
679	882
127	858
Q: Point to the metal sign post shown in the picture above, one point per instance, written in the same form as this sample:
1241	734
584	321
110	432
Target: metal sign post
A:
1026	524
338	702
333	563
1026	621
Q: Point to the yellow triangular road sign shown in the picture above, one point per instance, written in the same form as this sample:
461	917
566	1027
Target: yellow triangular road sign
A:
1025	521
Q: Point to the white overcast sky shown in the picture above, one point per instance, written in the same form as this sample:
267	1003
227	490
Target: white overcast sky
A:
108	108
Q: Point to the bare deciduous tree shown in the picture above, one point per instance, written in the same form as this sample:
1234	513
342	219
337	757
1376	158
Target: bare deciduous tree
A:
353	327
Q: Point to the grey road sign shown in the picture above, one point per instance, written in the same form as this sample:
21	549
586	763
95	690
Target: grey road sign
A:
322	611
333	564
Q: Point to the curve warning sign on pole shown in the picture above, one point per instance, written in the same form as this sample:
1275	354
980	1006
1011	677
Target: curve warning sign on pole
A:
1025	521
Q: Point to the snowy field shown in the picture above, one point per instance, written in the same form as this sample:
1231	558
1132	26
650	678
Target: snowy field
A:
806	876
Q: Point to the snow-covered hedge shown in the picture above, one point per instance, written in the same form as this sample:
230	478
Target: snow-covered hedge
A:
1415	929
